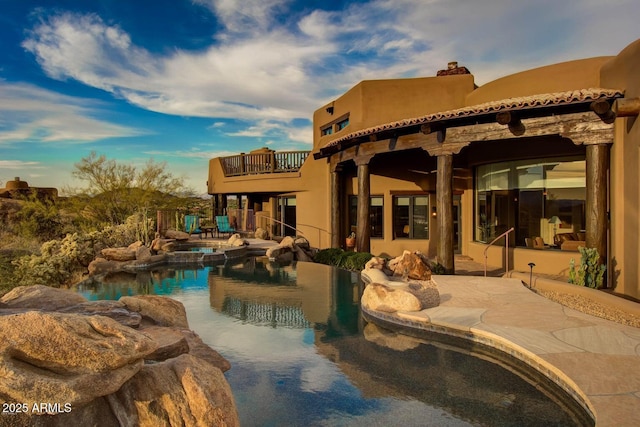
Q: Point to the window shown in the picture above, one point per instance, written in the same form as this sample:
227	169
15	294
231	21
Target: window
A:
411	217
342	124
326	131
526	195
376	215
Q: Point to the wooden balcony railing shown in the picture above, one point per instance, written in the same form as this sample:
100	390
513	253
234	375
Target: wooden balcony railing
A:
260	163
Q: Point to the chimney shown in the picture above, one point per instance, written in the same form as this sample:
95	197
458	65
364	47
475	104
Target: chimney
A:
452	70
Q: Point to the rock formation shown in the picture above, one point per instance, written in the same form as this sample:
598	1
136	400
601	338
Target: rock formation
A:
237	240
415	290
127	362
411	265
290	249
261	233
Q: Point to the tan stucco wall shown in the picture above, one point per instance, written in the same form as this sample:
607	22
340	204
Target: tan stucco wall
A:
622	72
371	103
565	76
374	102
313	203
281	182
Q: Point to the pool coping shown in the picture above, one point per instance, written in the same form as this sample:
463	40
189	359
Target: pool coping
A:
549	338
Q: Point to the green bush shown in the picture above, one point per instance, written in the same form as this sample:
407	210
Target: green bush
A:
590	273
348	260
328	256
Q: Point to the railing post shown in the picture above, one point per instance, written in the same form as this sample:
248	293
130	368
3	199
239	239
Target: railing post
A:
242	164
506	256
272	160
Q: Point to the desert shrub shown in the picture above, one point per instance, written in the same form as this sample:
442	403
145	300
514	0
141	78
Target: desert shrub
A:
61	262
38	218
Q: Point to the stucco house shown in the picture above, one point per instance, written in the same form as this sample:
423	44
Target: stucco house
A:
545	160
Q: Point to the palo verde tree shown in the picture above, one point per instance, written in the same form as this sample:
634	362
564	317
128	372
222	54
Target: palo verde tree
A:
116	191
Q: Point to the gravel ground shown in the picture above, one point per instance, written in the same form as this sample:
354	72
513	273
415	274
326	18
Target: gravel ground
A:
592	308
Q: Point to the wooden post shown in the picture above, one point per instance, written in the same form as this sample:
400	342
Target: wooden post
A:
222	204
597	200
363	227
273	213
444	207
336	196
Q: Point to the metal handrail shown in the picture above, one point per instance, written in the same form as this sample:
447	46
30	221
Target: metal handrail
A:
280	222
506	252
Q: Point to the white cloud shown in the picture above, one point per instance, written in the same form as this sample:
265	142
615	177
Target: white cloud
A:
29	113
19	164
266	68
245	15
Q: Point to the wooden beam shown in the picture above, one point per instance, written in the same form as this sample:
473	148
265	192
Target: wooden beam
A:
582	128
626	107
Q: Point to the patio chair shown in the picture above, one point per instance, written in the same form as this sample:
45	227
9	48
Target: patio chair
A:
192	224
222	224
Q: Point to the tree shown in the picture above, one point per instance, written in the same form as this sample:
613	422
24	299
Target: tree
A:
116	191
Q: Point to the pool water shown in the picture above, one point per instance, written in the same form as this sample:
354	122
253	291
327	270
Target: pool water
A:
302	355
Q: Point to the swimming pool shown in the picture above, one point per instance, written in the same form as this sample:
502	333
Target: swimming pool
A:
301	354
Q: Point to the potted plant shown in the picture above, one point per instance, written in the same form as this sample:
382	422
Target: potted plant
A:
351	240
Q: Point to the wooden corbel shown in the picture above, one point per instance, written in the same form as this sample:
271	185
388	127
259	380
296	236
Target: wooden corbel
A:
603	109
512	120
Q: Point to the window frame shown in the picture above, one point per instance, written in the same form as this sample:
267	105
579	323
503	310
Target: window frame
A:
411	217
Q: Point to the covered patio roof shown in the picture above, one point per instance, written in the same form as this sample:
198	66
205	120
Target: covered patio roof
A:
504	111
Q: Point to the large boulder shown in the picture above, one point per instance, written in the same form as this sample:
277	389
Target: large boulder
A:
115	310
177	235
119	254
41	297
159	310
411	265
261	233
135	245
60	357
183	391
384	294
389	299
143	253
236	240
280	253
91	363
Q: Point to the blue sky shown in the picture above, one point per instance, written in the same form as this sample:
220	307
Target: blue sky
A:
182	81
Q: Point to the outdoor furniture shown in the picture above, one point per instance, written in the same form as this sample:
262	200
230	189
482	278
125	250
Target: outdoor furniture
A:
192	225
208	229
222	224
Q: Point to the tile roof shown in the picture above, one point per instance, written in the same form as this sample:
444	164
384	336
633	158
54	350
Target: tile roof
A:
509	104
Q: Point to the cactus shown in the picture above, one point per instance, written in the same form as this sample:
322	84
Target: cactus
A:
590	273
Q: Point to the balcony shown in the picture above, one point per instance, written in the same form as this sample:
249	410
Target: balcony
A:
263	162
